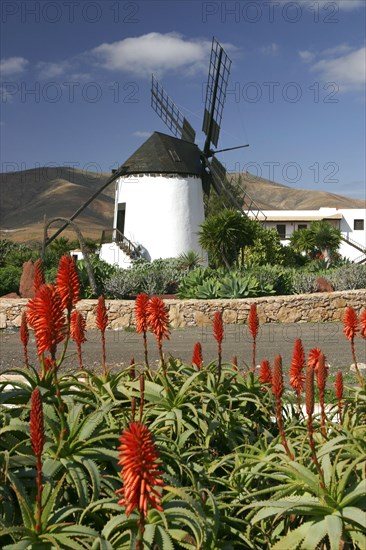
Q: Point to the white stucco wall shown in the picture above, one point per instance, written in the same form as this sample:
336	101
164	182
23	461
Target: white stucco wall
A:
163	214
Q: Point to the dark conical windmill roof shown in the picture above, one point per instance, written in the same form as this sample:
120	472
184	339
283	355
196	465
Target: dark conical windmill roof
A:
162	154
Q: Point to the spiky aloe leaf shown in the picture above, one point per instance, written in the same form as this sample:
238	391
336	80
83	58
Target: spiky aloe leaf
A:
26	507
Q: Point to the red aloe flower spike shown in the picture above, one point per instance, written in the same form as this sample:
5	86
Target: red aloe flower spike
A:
313	358
297	378
321	379
277	378
77	332
38	279
141	303
24	337
339	393
158	321
350	329
265	373
234	362
363	324
309	401
253	323
140	473
67	283
277	389
101	322
218	330
350	323
197	355
45	315
36	428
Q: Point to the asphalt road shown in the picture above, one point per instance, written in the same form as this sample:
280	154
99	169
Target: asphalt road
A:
273	338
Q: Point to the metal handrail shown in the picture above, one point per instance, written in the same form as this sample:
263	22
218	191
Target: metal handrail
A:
360	259
353	243
115	235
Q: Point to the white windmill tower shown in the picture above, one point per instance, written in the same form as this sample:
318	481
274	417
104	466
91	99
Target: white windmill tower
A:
159	194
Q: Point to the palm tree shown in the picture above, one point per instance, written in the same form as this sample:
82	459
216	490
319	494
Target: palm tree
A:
302	240
320	236
223	235
327	238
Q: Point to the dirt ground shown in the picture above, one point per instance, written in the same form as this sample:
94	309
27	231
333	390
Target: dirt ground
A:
123	345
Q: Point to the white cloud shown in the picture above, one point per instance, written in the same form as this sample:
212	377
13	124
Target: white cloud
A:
272	49
306	56
348	71
13	65
142	134
52	70
336	50
155	53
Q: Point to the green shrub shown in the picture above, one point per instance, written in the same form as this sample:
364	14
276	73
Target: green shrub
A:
9	279
161	276
102	272
303	283
278	277
206	283
348	277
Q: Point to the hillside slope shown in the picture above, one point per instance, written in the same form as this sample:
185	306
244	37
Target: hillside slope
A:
27	196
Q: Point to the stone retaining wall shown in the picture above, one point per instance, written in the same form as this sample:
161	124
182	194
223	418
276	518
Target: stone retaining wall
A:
185	313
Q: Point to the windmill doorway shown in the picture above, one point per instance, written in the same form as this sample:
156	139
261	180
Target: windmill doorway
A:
121	216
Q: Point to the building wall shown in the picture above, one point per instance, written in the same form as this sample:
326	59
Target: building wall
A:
163	214
346	225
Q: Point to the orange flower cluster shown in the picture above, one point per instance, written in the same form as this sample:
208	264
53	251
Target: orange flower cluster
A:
265	373
101	314
197	355
313	359
67	282
77	332
218	328
45	315
77	327
297	378
158	318
350	323
140	470
277	378
253	321
141	302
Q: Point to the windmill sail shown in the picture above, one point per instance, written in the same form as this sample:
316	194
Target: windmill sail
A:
169	113
218	76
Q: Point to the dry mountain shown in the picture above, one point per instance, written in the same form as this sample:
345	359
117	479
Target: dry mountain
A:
27	196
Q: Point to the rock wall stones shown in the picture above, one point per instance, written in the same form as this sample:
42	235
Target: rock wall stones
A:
184	313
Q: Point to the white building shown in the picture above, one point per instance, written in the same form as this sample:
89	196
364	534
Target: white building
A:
158	203
350	221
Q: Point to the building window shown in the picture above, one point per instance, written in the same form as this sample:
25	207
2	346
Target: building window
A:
302	226
281	229
358	225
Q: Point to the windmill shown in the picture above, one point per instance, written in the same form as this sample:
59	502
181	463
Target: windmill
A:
213	173
159	189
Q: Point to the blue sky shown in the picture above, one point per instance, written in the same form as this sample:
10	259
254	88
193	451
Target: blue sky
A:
75	83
